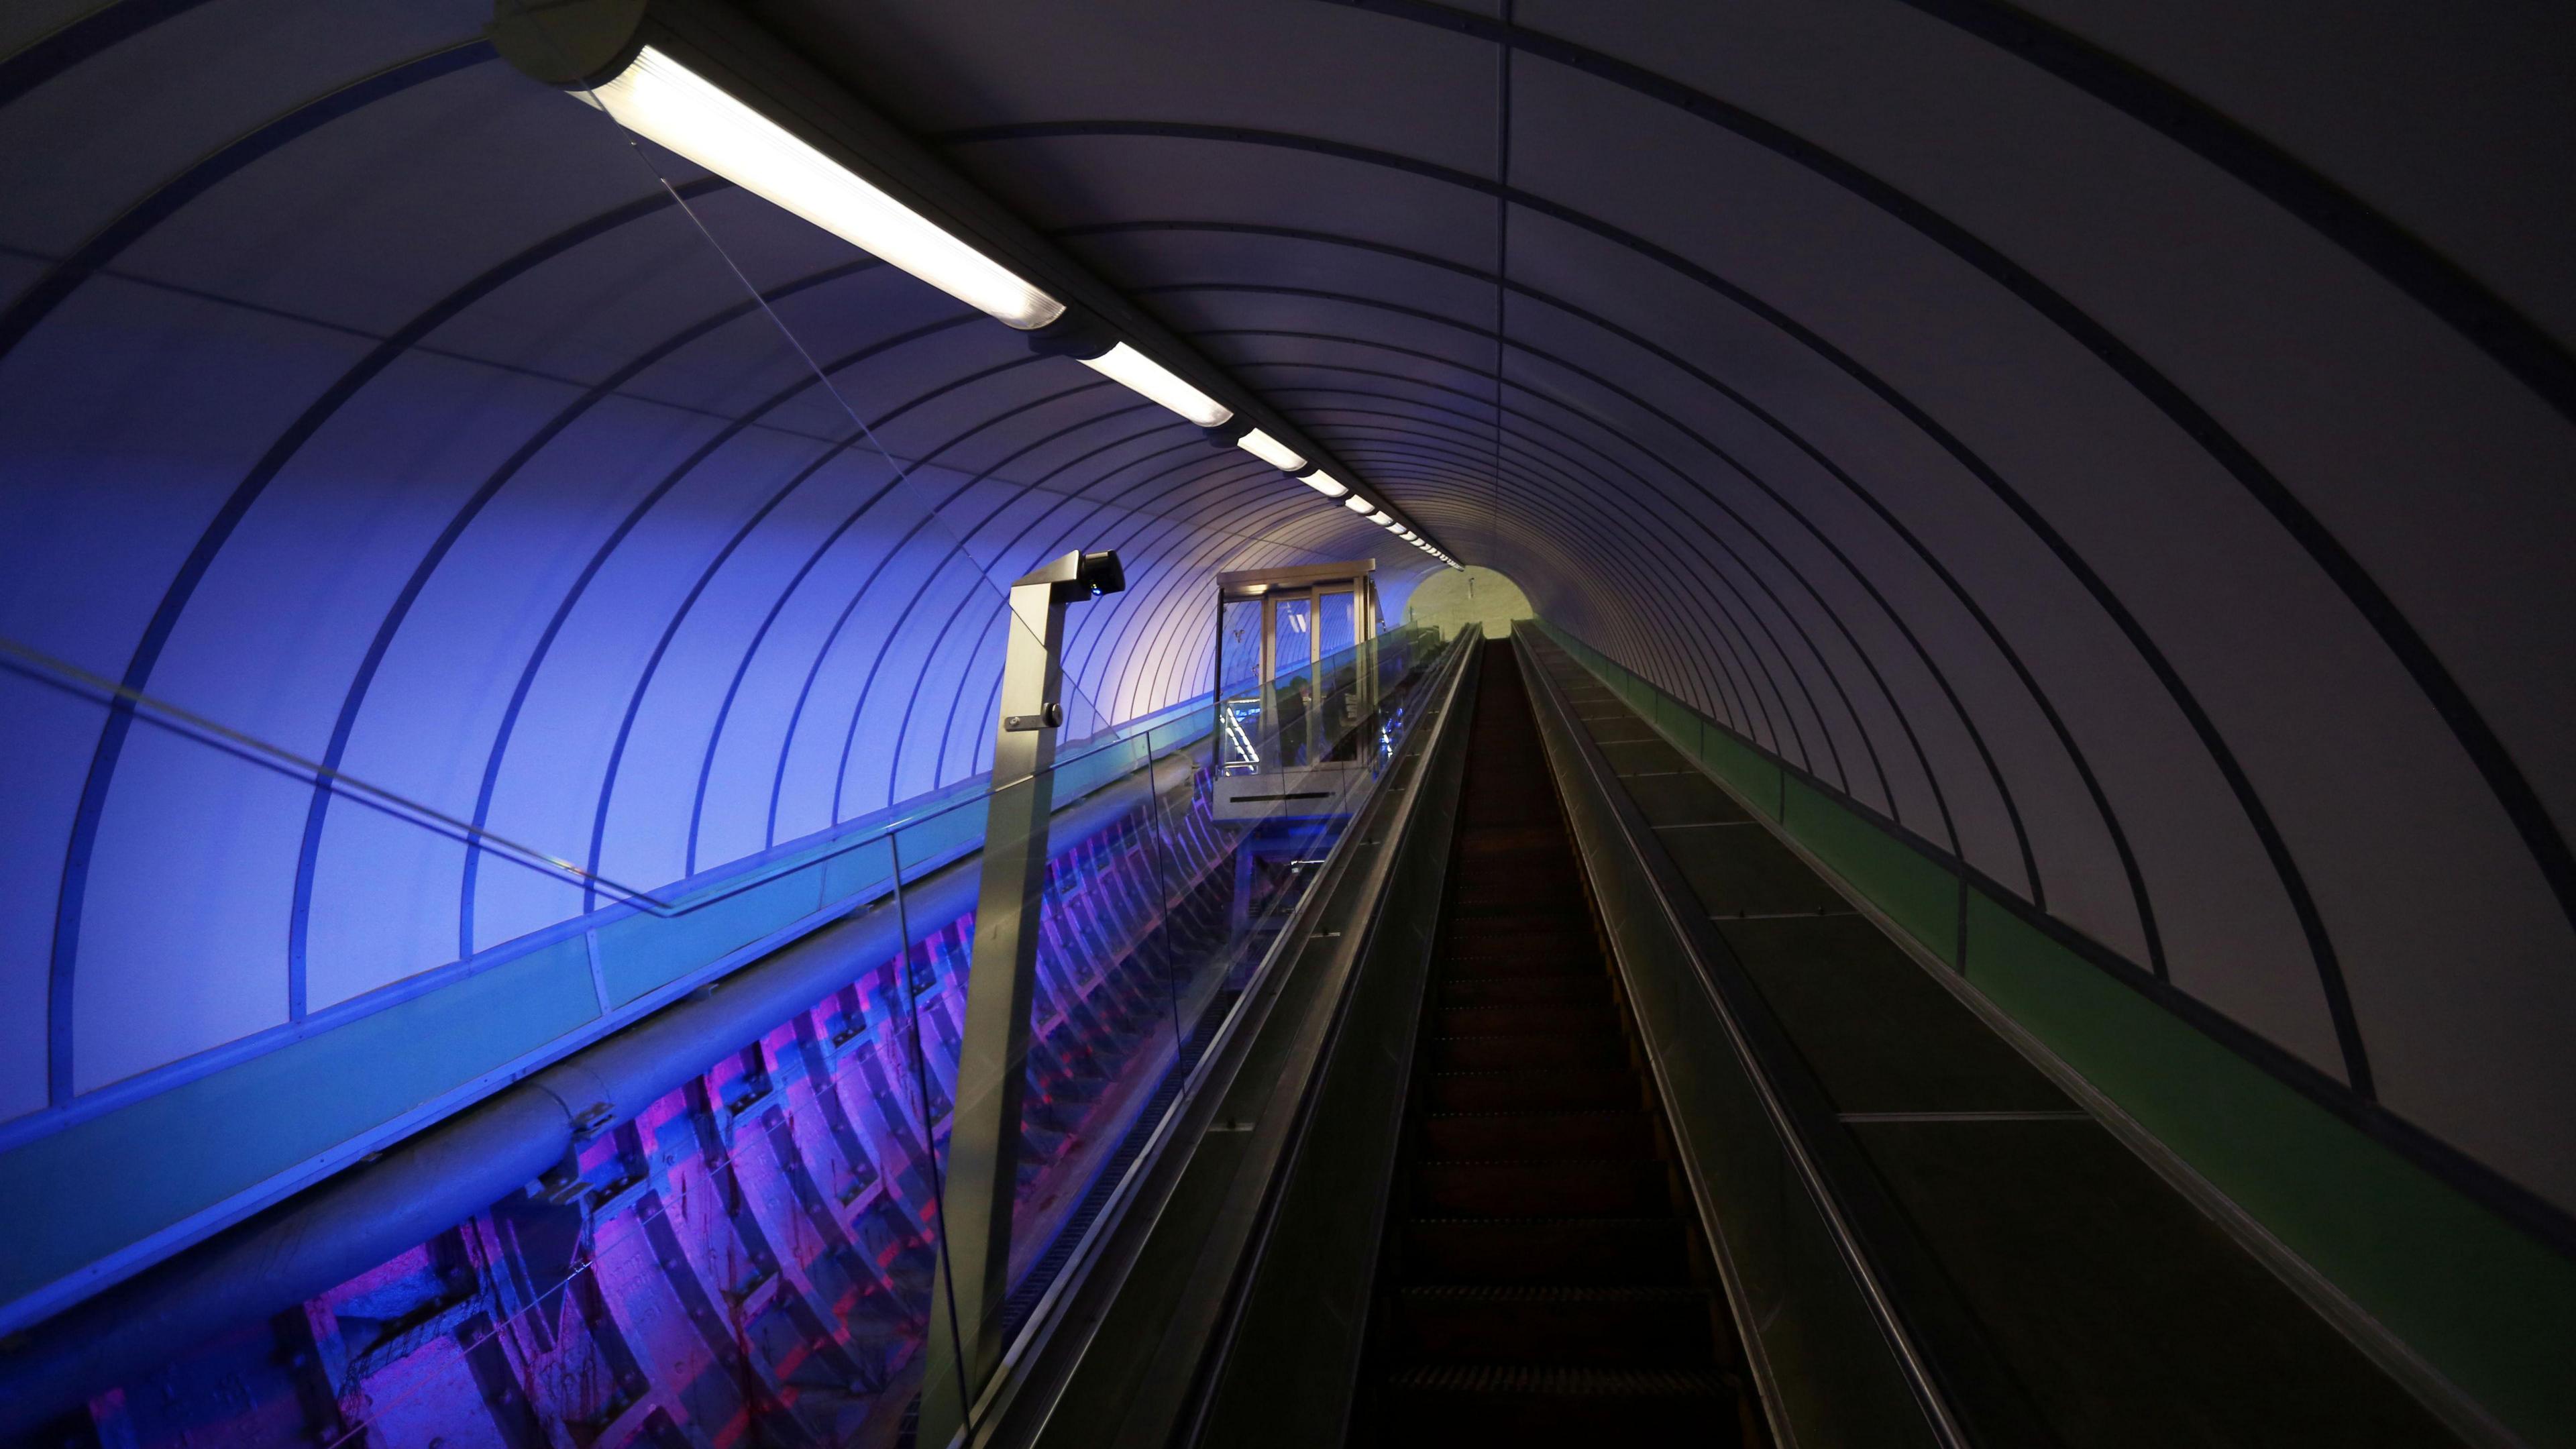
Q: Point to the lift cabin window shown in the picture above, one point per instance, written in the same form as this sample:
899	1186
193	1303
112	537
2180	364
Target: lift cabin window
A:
1297	687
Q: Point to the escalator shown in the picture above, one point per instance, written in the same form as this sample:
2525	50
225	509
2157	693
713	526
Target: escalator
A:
1543	1276
1582	1108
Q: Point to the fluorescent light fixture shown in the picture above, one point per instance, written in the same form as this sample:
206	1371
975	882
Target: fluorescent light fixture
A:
1325	483
1270	450
1357	504
676	108
1125	365
1382	519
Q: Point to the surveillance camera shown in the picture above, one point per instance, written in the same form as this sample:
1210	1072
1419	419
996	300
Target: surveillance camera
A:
1075	578
1102	572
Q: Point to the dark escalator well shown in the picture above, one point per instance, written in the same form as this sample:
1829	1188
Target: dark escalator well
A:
1543	1274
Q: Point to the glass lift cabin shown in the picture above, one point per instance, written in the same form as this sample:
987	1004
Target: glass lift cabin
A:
1296	690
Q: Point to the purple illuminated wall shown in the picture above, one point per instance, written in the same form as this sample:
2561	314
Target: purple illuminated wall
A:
2123	448
748	1260
379	405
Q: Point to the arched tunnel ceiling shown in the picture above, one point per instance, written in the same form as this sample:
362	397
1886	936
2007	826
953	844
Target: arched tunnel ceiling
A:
2160	513
2128	447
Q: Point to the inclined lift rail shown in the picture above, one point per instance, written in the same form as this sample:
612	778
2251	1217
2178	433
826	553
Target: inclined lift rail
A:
809	1093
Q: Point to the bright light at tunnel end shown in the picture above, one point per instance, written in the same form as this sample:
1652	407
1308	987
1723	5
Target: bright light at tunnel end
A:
673	106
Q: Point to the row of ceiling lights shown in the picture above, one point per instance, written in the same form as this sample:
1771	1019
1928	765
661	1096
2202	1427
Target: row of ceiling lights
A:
657	97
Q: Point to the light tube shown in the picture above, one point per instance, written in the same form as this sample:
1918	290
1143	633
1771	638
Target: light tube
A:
1382	518
1324	483
676	108
1357	504
1271	451
1125	365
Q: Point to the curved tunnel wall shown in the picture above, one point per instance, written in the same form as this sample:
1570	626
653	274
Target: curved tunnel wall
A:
377	404
2117	466
2126	450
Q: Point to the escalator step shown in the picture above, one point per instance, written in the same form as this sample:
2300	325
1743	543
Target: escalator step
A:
1529	963
1489	1136
1505	1053
1522	936
1544	837
1493	1378
1590	1251
1572	1089
1564	950
1509	1020
1487	1325
1539	1283
1556	1187
1507	1404
1573	988
1484	928
1527	943
1511	907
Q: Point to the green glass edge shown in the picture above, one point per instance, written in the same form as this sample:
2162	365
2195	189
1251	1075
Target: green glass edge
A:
1916	891
2492	1309
2483	1303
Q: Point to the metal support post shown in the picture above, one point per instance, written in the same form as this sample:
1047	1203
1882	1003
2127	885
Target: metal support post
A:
984	1136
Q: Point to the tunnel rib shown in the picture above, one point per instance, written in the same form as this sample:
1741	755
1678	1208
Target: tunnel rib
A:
1985	623
1750	530
2442	287
1754	576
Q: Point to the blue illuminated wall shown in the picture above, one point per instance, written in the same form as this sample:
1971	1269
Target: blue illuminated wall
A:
371	404
2121	449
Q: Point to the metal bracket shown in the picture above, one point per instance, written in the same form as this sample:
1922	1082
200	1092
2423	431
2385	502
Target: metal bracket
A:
1045	719
563	1184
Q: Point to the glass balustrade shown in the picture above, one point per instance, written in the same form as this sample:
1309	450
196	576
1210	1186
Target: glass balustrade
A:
761	1245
